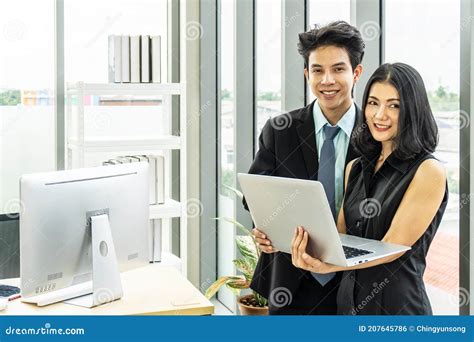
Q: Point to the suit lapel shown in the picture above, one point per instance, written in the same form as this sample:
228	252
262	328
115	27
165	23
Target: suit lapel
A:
306	133
307	137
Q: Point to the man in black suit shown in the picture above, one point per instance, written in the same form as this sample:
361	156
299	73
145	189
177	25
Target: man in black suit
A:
290	146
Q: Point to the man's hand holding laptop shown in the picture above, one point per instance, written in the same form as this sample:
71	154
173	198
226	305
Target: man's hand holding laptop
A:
263	243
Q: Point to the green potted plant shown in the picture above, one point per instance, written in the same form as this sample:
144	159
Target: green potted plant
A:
251	304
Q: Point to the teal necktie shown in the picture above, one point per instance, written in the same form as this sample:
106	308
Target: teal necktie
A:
326	175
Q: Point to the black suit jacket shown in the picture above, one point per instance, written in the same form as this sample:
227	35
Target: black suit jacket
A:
289	152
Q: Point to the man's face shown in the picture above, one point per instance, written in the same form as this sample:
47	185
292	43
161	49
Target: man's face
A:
331	78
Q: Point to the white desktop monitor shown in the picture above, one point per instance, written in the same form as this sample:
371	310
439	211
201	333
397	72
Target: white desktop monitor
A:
55	226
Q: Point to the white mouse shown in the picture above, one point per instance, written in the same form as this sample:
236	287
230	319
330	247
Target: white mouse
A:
3	303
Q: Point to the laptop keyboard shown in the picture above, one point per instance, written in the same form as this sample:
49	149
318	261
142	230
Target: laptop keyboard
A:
352	252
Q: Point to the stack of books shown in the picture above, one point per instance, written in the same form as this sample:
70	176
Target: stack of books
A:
134	59
157	196
157	173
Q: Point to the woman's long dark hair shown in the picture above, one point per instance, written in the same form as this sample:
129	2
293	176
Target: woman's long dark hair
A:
417	129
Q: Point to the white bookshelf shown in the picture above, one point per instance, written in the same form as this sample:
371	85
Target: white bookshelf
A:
126	144
80	144
169	209
121	89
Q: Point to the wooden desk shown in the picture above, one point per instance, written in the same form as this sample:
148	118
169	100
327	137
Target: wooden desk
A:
150	290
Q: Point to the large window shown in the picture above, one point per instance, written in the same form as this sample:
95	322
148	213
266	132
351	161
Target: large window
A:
226	153
325	11
86	59
27	73
434	52
27	136
88	23
268	65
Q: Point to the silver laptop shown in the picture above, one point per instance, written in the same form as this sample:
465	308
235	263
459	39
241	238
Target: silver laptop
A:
279	205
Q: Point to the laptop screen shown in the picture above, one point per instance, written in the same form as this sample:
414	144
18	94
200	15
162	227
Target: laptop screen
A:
9	246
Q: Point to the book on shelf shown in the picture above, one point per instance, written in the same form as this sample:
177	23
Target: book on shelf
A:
112	162
125	159
152	176
115	59
156	170
125	59
154	241
135	59
145	58
159	162
156	59
157	195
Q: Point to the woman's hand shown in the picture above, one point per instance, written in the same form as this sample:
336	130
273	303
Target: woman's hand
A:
263	243
301	259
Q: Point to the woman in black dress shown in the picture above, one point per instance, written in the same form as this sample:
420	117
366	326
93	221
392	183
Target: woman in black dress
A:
395	192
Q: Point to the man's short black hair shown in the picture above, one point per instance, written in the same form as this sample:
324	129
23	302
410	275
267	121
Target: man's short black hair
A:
417	129
337	33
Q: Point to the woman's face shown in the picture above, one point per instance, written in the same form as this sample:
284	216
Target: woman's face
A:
382	111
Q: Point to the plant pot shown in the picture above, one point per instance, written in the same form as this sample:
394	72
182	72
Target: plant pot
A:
249	310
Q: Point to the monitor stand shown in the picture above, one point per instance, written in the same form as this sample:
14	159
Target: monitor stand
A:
106	282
